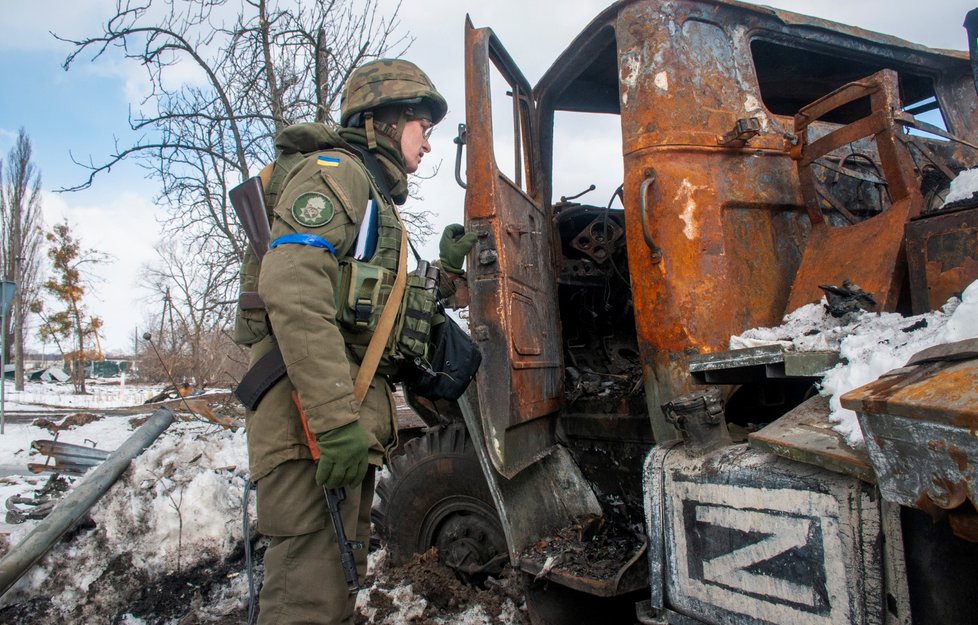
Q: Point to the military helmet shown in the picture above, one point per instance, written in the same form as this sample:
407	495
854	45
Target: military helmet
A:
388	82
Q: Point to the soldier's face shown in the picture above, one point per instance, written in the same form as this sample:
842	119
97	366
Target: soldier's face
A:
414	143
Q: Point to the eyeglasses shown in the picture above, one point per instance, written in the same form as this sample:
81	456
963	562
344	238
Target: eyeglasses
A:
426	128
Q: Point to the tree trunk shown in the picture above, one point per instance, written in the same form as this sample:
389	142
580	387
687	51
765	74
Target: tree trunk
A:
18	331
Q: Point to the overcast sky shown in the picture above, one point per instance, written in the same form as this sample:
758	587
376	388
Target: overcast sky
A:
79	112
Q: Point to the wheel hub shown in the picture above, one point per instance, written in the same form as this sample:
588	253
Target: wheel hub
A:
468	537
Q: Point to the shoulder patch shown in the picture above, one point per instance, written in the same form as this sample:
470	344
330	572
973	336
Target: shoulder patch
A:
312	209
328	161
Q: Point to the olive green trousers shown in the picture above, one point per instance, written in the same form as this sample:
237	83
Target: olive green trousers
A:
304	582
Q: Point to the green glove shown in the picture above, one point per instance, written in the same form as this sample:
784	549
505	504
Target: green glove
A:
454	245
342	456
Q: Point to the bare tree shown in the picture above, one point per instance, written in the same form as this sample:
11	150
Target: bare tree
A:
268	65
20	241
188	327
73	329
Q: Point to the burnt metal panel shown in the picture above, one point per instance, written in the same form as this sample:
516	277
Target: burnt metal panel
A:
727	221
714	232
942	257
836	254
511	272
805	434
539	500
754	364
744	537
68	458
920	425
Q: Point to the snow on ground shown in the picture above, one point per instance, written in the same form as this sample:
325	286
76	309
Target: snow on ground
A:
104	394
15	442
165	544
177	506
870	344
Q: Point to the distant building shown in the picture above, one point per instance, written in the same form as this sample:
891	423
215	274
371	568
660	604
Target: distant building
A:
107	368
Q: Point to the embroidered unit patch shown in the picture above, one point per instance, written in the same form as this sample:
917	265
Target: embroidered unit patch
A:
328	161
312	210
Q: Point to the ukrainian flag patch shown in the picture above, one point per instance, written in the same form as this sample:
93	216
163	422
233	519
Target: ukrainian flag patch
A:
328	161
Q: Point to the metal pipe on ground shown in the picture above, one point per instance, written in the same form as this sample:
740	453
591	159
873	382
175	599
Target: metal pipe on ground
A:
79	501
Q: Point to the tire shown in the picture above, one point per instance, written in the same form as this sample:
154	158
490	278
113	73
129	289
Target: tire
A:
435	495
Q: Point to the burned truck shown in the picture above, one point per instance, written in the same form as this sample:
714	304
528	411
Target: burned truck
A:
612	448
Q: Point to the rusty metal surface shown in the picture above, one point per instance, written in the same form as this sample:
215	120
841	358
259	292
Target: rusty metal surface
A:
68	458
728	222
514	311
715	241
836	254
942	257
805	434
921	429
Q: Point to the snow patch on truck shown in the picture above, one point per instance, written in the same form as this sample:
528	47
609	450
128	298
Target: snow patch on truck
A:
870	344
963	186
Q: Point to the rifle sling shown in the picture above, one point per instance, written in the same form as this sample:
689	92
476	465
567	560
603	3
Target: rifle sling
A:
250	300
260	377
378	342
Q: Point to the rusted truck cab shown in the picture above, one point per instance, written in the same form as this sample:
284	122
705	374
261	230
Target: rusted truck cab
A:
714	215
763	154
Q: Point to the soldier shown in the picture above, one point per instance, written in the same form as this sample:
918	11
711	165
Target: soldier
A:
330	208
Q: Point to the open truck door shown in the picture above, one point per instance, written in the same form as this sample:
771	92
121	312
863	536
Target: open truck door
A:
537	486
514	299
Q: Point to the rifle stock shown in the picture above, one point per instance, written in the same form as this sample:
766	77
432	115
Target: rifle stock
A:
248	200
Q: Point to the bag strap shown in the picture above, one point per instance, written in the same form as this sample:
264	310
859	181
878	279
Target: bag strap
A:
378	342
385	325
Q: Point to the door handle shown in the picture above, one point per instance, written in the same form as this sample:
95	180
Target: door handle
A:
459	142
643	193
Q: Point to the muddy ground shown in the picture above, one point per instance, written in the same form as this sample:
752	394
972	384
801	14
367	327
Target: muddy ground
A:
422	592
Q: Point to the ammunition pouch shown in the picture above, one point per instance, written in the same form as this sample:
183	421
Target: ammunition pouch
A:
361	297
427	350
412	329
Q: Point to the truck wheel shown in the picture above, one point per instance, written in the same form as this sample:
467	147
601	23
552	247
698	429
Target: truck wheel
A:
435	495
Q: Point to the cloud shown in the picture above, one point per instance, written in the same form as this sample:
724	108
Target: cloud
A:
125	228
28	25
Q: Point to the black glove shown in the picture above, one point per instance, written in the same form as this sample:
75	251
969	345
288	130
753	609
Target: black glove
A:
455	244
